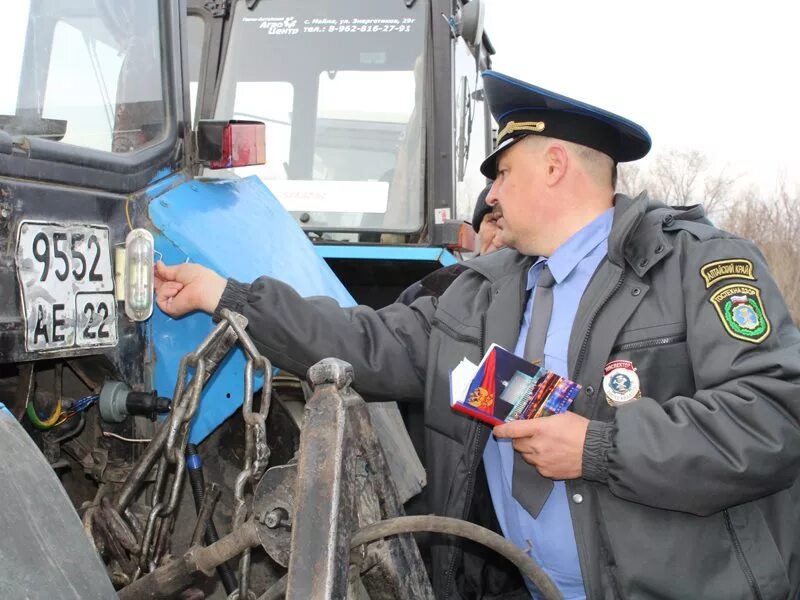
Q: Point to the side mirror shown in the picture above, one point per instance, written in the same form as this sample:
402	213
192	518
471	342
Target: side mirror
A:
225	144
470	22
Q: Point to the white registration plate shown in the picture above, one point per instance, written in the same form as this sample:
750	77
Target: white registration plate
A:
67	286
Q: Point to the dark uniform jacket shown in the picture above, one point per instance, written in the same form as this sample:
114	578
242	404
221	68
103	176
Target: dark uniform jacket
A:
433	284
689	492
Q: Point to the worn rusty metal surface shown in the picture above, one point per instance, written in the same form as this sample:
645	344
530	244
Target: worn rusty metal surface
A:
325	495
274	495
168	580
391	568
343	483
405	466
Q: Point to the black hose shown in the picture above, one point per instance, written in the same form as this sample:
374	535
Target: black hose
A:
194	466
449	526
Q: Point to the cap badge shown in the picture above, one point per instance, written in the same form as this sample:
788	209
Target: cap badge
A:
513	127
621	383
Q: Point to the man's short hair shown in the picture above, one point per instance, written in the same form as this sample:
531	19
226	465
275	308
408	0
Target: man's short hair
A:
599	166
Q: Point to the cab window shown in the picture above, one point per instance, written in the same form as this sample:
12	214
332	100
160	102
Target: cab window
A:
85	72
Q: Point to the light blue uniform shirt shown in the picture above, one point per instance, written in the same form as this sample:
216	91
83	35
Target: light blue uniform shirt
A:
550	539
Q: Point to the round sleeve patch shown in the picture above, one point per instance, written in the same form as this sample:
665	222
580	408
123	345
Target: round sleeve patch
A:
742	312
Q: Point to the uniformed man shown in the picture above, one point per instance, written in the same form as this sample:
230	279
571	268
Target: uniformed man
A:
674	475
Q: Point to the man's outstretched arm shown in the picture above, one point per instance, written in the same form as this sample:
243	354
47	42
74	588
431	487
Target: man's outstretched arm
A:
387	348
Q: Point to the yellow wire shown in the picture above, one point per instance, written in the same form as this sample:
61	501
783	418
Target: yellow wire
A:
128	214
52	419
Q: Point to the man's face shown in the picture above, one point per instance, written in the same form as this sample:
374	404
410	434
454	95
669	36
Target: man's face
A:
490	234
518	195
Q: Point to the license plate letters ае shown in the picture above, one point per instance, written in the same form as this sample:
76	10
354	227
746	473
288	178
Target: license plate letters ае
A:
67	286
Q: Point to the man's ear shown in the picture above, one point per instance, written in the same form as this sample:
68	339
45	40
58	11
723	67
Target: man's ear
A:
556	163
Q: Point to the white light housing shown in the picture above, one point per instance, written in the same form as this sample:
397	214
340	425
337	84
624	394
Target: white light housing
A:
139	274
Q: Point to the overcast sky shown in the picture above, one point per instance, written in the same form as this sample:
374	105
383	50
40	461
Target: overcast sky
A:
718	76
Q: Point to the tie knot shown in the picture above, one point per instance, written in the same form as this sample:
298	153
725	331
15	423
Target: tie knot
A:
546	278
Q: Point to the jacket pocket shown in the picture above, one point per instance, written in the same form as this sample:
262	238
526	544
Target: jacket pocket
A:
451	341
662	363
673	555
656	342
757	552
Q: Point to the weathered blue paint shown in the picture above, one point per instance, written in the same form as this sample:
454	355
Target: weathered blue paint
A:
377	252
163	181
240	230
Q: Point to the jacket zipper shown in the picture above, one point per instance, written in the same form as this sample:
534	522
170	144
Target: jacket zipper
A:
578	366
449	579
585	344
661	341
453	333
748	572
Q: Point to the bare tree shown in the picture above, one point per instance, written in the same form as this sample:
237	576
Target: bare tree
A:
675	175
717	191
773	224
678	177
629	179
771	221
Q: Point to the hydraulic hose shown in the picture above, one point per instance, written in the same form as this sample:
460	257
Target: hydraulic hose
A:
194	466
449	526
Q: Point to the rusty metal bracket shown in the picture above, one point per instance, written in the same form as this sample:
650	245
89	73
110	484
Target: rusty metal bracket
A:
343	484
273	508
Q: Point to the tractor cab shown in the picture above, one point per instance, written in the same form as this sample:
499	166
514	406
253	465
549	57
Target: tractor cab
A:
374	118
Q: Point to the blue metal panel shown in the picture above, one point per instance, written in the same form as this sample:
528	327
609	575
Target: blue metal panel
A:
387	253
240	230
164	180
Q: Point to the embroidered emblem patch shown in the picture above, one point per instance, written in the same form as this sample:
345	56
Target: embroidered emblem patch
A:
742	313
731	268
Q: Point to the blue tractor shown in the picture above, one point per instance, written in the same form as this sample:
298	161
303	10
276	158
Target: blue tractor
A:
333	145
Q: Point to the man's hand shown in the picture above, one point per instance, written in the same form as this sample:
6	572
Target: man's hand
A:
554	445
180	289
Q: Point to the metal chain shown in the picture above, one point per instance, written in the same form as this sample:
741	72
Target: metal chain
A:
186	399
256	454
185	402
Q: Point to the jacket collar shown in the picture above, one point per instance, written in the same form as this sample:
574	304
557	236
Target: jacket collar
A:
498	264
637	237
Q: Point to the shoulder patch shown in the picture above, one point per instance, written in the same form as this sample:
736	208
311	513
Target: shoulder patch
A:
742	312
730	268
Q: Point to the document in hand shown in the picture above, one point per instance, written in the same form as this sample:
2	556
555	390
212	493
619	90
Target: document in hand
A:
505	387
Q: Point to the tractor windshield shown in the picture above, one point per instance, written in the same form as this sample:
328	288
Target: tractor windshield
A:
339	85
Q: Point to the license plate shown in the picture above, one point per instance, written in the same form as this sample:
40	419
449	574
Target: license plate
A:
67	286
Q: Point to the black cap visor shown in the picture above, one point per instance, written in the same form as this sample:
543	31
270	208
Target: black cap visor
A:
489	164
